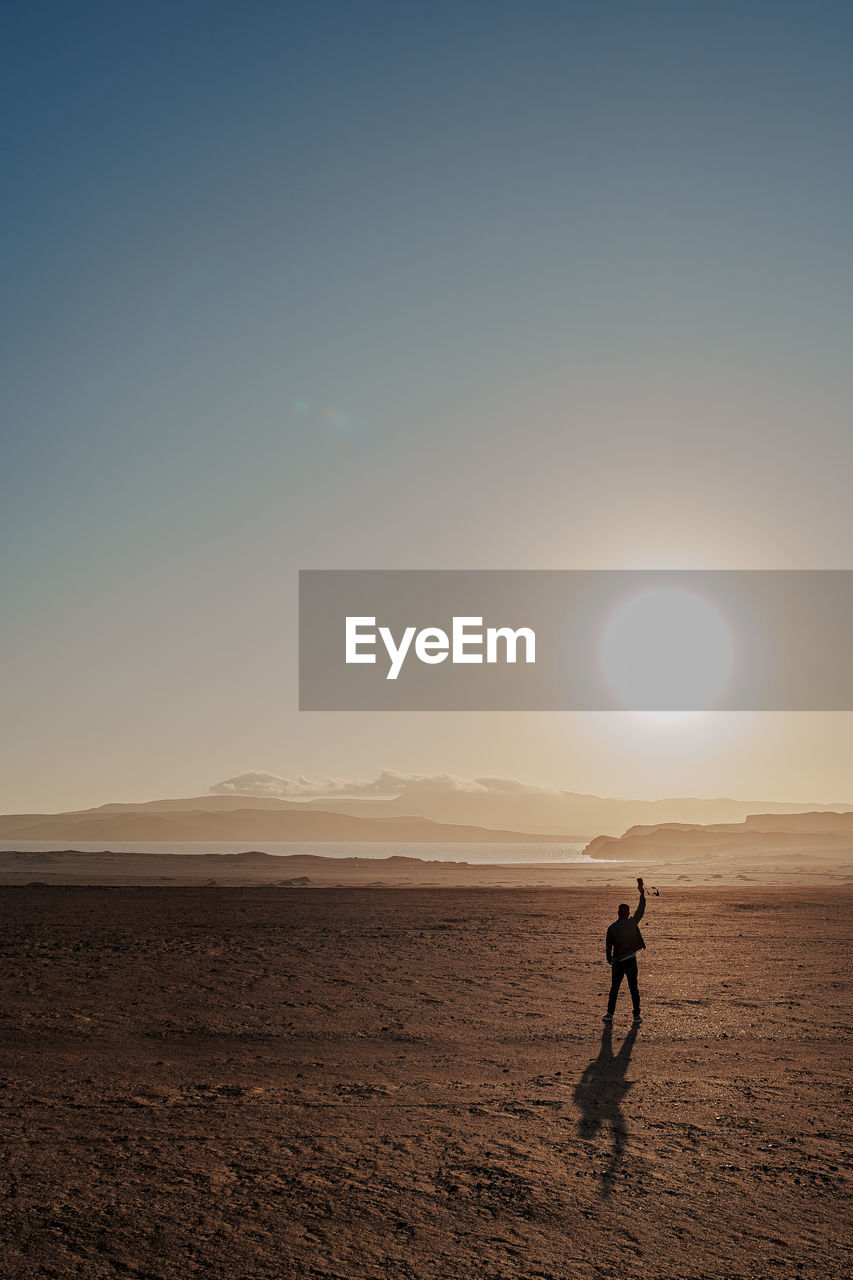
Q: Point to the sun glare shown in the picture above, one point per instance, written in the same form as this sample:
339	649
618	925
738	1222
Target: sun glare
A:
666	650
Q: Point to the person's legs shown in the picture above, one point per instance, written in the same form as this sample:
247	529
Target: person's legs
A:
631	973
617	972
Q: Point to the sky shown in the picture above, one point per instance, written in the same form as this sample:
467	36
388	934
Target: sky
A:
374	285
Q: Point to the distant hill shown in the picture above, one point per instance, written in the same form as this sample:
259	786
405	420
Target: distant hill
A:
523	814
583	816
815	833
264	823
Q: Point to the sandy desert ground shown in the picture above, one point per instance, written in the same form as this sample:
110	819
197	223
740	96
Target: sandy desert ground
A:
276	1082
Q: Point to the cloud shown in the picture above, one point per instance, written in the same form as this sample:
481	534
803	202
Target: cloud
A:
253	783
386	784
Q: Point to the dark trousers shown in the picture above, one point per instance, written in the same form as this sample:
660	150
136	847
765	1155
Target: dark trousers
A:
624	969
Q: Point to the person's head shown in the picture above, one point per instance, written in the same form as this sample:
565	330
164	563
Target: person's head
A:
624	911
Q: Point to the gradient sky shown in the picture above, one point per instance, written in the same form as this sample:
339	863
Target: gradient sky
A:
405	285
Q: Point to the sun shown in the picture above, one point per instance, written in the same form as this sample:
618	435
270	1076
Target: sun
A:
666	650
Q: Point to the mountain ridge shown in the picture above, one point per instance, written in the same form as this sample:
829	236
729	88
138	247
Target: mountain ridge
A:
260	826
817	831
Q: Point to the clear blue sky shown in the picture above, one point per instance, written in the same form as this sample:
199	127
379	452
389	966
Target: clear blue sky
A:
373	284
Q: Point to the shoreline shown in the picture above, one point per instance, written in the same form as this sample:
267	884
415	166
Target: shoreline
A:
315	871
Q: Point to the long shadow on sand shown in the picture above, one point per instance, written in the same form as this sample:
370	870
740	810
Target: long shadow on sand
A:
598	1096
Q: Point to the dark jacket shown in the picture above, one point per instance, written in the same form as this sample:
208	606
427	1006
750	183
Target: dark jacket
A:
623	936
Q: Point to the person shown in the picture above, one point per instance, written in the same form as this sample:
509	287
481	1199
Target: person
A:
623	942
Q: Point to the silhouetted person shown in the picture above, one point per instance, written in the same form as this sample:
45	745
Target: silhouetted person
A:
623	943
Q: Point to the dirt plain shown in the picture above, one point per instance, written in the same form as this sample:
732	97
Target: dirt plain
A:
275	1082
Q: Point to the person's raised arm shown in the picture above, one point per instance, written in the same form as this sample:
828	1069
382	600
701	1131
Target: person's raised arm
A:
641	906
